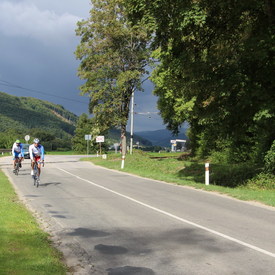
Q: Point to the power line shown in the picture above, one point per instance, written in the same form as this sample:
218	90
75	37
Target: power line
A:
145	113
12	85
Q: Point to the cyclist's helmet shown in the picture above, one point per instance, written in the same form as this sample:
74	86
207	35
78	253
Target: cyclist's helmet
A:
36	140
17	141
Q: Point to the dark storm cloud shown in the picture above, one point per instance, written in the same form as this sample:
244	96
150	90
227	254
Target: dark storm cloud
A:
37	52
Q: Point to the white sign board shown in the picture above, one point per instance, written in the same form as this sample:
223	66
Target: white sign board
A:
100	139
27	137
172	141
88	137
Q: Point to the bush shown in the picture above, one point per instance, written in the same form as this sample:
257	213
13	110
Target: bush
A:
232	175
269	159
219	157
262	181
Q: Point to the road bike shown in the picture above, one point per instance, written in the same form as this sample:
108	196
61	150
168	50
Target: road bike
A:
17	167
36	177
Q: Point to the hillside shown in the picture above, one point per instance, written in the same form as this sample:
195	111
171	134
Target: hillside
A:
162	137
25	113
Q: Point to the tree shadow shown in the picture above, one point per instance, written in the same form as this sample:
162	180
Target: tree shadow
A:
133	270
194	172
87	233
49	183
227	175
111	249
186	241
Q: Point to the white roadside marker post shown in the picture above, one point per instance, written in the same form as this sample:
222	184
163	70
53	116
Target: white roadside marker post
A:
207	173
123	150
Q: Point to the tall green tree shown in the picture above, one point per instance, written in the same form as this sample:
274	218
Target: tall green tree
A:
83	127
114	55
216	71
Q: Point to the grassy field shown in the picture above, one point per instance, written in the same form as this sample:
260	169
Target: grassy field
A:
25	248
5	155
169	168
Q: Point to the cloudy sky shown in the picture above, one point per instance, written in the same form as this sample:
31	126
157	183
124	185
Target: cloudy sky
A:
37	44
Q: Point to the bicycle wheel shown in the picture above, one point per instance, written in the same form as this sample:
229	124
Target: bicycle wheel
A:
36	177
35	172
16	169
37	181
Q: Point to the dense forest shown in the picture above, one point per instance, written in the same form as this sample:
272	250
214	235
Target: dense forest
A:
20	116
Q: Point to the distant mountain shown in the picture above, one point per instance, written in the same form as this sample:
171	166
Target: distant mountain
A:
162	137
114	136
25	113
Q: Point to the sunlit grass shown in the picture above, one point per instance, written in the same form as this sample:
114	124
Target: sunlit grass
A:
25	248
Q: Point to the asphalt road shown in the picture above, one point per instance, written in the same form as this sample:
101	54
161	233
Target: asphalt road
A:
115	223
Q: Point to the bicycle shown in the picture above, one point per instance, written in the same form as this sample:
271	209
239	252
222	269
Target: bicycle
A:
36	178
17	167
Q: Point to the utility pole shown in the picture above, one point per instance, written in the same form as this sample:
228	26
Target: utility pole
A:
132	123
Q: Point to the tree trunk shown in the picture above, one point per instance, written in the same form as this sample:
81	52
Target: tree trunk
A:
269	9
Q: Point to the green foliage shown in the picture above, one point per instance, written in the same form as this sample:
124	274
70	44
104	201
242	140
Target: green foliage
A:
232	175
215	70
270	159
152	148
114	56
83	127
25	248
20	116
262	181
7	140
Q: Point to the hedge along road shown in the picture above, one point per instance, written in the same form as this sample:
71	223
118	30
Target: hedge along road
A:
115	223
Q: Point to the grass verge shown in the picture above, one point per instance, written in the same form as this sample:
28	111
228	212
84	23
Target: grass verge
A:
25	248
190	173
61	153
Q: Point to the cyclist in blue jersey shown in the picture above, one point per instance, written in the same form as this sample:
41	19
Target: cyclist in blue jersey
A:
17	153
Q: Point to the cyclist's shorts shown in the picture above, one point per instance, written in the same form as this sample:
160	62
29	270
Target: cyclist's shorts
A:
17	155
37	158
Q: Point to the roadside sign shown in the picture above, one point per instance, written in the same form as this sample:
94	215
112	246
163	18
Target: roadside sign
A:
88	137
104	156
100	139
27	137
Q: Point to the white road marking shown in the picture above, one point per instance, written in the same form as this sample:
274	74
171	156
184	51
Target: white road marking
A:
177	218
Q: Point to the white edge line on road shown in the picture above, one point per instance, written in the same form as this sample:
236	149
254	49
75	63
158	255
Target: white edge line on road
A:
177	218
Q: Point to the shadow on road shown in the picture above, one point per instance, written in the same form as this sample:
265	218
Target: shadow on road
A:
49	183
111	249
87	233
126	270
187	242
